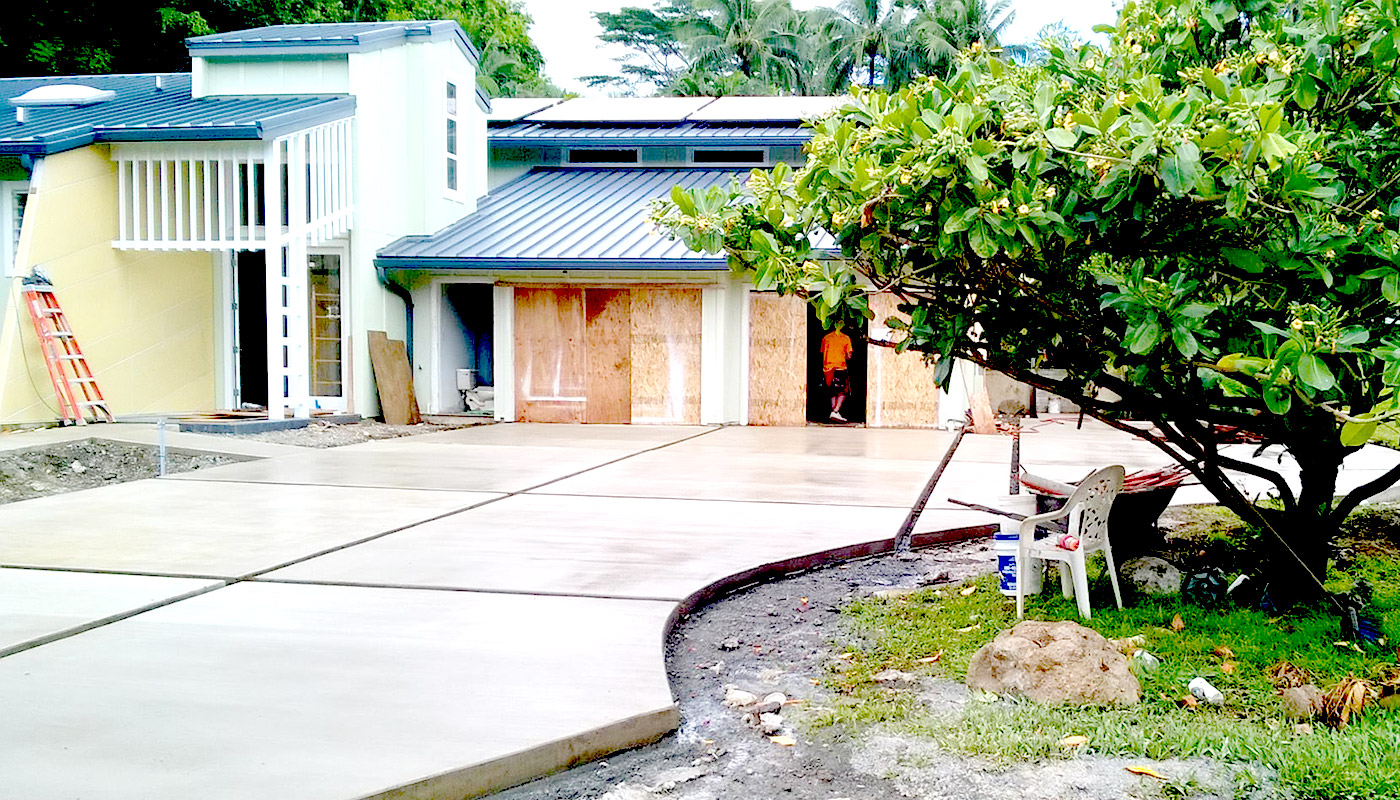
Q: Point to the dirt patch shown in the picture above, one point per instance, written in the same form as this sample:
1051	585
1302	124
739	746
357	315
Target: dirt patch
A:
323	434
85	464
777	637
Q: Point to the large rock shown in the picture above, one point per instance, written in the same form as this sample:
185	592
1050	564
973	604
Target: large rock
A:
1054	662
1151	576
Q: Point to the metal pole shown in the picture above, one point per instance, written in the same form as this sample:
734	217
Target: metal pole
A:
160	447
1015	455
906	531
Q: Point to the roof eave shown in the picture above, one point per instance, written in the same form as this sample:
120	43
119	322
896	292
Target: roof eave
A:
518	264
655	141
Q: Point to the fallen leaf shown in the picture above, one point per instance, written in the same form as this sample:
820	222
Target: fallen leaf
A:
968	629
846	656
1178	624
932	658
1303	728
1224	652
1074	741
804	601
1148	771
815	681
1189	701
784	740
969	590
1228	668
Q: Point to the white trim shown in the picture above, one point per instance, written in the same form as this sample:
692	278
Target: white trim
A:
712	318
339	248
13	261
503	351
225	331
745	314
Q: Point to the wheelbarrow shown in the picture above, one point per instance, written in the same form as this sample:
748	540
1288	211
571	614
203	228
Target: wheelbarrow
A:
1132	522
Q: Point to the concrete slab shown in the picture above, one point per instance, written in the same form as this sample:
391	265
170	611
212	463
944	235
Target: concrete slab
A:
610	437
411	464
146	434
271	690
611	547
39	605
197	528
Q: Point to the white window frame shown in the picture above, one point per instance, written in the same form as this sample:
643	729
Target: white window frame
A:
9	236
452	118
765	157
339	402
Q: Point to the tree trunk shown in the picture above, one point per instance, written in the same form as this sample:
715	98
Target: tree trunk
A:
1300	541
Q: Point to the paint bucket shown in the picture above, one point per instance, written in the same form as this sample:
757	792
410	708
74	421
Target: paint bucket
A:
1004	544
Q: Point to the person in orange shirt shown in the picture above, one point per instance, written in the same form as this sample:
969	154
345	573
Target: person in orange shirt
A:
836	355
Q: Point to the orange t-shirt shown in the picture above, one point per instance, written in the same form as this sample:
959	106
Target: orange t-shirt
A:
836	350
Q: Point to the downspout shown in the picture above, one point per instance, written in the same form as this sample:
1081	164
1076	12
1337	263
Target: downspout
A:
407	297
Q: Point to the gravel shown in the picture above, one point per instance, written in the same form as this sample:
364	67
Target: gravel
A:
85	464
784	645
323	434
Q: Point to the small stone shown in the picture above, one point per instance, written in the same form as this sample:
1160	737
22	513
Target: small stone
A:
909	555
716	667
1301	702
891	594
77	467
771	702
941	576
732	643
750	720
895	676
1151	576
738	698
770	723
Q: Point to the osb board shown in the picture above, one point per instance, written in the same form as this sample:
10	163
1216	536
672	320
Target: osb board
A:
609	351
550	356
903	393
666	355
777	360
389	359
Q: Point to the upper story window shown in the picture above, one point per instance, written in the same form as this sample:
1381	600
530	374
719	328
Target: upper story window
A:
745	156
452	147
14	195
612	156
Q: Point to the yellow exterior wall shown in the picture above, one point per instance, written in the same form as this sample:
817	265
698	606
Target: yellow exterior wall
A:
145	320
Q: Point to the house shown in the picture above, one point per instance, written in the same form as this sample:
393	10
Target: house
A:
211	235
228	237
558	291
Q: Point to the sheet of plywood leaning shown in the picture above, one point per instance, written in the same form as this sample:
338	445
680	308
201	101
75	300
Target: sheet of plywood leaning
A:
777	360
609	351
666	355
902	390
550	355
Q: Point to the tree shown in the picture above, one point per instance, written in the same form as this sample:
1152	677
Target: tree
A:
657	56
943	28
753	37
868	37
1201	216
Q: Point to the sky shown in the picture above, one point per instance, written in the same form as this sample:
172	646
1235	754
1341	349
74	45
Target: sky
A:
567	35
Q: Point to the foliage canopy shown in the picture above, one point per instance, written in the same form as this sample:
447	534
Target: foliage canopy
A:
1200	216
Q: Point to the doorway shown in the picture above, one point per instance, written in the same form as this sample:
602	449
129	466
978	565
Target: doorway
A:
465	346
251	331
818	396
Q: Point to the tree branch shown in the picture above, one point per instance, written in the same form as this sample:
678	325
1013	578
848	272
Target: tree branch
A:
1364	492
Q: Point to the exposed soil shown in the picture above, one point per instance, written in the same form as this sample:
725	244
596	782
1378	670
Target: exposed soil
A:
764	639
322	434
85	464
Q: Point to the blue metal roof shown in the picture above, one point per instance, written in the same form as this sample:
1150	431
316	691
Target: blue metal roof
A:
564	218
140	112
328	38
688	133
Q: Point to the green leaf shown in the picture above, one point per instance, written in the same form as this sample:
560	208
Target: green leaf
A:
1144	337
1062	138
1180	169
1315	373
1185	342
1305	92
682	200
1278	398
1390	287
976	167
1353	336
1214	83
1267	328
1355	434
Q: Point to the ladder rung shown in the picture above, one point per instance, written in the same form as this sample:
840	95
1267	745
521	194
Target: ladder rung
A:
72	357
93	403
82	380
64	333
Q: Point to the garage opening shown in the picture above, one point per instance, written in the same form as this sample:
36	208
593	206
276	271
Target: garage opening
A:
468	381
848	390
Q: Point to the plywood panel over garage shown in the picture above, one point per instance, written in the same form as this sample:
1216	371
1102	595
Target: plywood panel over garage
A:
599	354
550	355
903	393
666	355
777	360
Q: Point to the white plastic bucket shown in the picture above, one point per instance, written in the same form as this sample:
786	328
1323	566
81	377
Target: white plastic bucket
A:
1005	543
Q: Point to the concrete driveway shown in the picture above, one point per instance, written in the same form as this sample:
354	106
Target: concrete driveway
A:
430	617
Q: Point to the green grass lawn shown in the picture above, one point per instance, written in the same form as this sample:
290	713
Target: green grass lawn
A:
1359	761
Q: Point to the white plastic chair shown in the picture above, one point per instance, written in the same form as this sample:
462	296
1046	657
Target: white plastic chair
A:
1087	509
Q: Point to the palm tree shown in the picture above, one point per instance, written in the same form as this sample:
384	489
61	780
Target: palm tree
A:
869	36
941	28
751	36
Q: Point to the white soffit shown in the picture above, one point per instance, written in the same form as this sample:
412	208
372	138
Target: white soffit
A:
767	109
623	110
511	109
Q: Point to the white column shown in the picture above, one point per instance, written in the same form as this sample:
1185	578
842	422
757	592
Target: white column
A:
278	324
298	340
503	351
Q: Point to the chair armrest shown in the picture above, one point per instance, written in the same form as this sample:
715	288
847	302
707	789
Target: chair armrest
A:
1029	524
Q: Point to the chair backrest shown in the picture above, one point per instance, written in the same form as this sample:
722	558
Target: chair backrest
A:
1090	505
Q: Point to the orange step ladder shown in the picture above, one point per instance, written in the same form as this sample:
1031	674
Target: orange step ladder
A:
73	381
